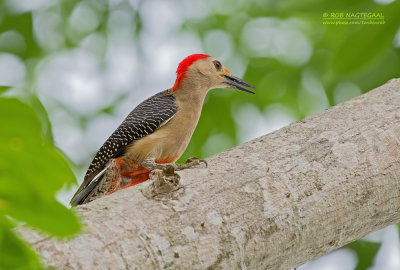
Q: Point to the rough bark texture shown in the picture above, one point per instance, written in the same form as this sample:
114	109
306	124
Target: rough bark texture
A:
273	203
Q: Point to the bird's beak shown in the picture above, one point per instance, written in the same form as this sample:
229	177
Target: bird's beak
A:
236	83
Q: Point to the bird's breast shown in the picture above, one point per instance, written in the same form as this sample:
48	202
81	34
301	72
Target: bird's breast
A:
170	140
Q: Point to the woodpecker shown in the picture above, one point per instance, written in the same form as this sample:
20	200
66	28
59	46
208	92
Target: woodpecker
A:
156	133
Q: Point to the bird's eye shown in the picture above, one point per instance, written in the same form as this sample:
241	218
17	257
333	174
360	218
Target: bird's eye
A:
217	65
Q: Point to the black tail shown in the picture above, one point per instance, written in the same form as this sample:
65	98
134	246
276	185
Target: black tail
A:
81	196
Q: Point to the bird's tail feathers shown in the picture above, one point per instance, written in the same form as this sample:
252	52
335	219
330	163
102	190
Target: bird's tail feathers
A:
82	195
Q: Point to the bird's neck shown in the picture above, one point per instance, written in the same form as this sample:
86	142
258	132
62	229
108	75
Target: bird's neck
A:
191	94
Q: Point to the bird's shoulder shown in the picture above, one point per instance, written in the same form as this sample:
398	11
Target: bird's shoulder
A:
160	105
146	117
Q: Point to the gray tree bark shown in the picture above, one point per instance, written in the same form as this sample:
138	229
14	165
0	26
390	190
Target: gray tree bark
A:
273	203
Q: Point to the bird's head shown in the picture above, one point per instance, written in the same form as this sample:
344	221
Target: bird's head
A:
200	72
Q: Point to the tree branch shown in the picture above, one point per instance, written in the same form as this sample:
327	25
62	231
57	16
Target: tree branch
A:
273	203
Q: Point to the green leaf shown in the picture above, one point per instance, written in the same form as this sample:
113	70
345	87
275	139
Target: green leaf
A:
43	116
32	170
14	253
23	24
366	43
398	229
365	251
4	88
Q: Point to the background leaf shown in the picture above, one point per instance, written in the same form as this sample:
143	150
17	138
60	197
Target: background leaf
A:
3	89
365	251
32	170
14	253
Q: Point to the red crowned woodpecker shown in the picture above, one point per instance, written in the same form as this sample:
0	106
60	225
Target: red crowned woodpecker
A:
159	129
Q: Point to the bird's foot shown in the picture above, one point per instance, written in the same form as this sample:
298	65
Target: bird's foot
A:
164	177
190	162
167	168
170	168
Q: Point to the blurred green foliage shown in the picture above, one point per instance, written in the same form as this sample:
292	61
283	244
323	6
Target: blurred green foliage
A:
365	251
32	170
313	66
14	253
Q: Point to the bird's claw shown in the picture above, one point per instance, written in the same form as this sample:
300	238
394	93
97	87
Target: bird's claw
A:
196	161
166	168
170	168
190	162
